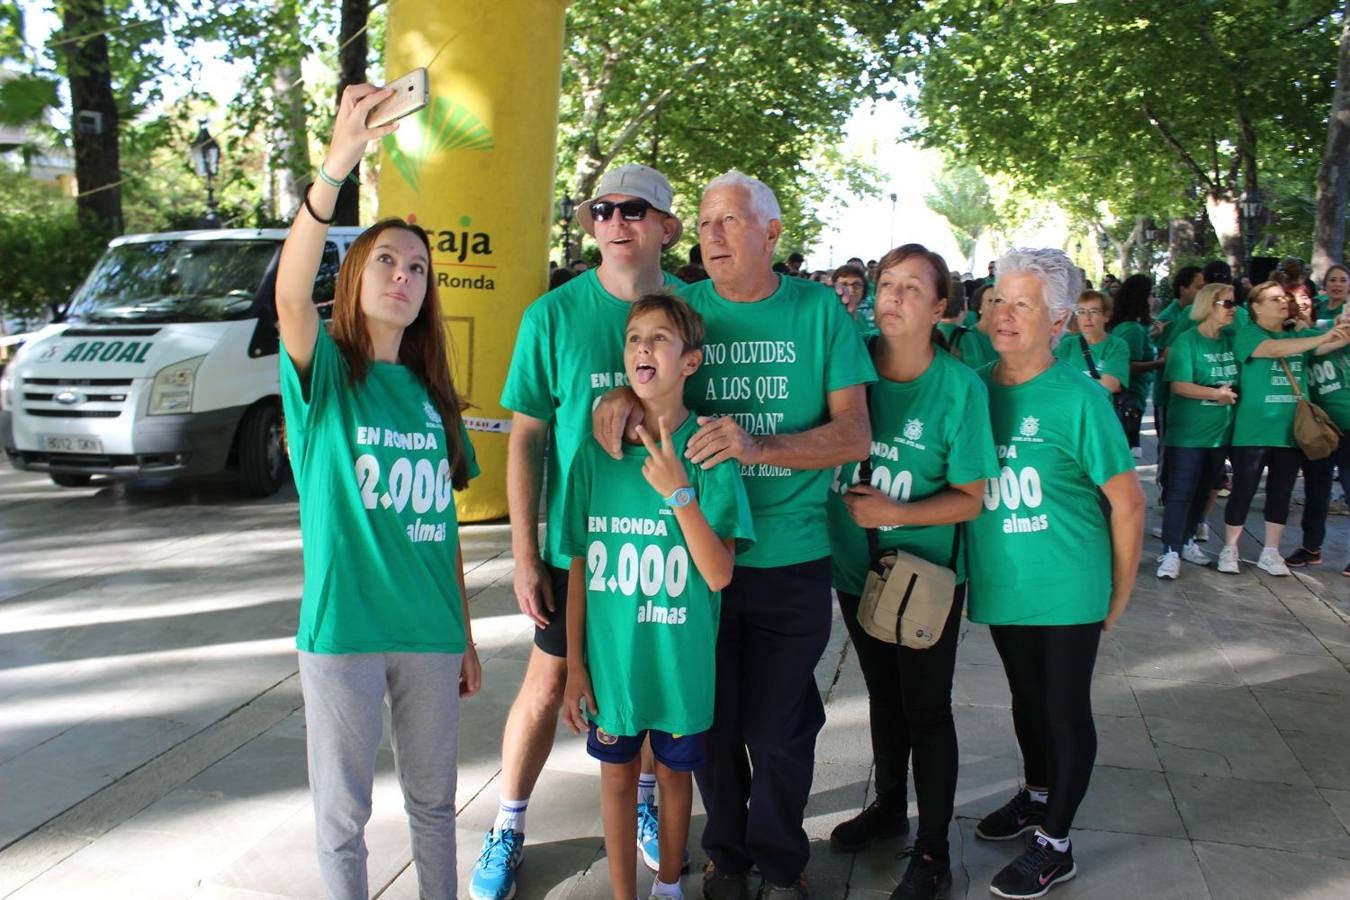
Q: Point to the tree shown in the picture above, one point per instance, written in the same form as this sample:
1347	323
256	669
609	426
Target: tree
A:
1333	175
1131	101
351	70
694	88
96	116
961	196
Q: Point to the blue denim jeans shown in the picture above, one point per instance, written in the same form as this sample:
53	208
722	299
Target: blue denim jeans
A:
1192	473
1317	492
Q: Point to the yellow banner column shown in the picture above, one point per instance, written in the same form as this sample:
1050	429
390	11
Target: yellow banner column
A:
475	169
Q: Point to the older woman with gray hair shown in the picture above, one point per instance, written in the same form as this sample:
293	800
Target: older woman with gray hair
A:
1048	570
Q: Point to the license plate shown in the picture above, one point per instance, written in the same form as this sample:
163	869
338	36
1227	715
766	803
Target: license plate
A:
59	443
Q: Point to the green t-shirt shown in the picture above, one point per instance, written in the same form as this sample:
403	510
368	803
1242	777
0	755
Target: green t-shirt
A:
1111	356
926	434
972	319
970	345
377	511
1135	335
1176	319
1322	308
1329	380
865	320
1266	401
1208	362
651	621
568	354
771	365
1040	550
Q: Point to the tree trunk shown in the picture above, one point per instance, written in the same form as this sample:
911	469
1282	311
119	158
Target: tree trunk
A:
97	162
1223	215
1180	242
1333	175
351	70
290	139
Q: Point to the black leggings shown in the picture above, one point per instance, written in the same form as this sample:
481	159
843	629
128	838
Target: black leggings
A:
909	697
1049	670
1283	463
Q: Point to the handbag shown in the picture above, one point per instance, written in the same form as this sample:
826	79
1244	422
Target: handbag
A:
906	600
1314	431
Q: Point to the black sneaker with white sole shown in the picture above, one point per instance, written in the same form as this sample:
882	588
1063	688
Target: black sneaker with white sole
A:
1033	873
1016	817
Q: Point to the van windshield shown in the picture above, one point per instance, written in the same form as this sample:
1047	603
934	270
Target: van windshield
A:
174	281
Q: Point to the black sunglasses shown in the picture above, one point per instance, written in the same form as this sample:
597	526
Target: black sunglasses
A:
631	210
1226	304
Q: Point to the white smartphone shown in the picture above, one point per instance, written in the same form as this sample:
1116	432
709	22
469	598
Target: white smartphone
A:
410	95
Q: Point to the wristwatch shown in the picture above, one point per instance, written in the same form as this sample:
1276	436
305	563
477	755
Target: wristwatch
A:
681	497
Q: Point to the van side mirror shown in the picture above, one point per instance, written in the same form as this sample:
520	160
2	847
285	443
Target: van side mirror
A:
57	311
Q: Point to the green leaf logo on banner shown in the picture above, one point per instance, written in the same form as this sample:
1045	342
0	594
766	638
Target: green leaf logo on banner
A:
443	126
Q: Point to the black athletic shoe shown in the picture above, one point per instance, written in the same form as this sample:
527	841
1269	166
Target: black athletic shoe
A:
1303	557
795	891
1018	816
878	822
1033	873
925	879
722	886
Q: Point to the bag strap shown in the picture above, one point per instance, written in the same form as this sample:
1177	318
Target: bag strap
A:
1087	355
1293	382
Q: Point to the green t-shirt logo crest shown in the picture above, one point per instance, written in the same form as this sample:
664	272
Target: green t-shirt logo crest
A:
433	415
913	430
1030	425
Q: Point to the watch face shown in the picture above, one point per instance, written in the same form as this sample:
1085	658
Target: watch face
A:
681	497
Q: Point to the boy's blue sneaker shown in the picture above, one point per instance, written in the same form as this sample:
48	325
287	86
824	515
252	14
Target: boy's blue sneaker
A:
494	875
648	838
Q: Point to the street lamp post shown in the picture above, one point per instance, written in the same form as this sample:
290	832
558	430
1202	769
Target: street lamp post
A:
567	207
1252	207
206	161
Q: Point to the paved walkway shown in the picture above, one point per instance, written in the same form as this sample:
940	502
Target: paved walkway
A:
152	737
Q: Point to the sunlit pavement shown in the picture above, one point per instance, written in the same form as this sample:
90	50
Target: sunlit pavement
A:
152	733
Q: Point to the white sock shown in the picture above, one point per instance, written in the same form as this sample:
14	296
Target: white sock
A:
1037	796
1060	844
661	889
511	815
646	788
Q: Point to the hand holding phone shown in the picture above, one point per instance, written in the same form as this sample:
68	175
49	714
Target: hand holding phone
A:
409	95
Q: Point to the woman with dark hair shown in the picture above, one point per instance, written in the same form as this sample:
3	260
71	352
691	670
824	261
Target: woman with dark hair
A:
1263	431
1131	321
965	338
1048	571
1329	382
1336	288
378	447
931	451
1171	322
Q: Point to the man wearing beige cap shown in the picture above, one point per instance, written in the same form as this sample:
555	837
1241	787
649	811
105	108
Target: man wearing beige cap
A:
568	353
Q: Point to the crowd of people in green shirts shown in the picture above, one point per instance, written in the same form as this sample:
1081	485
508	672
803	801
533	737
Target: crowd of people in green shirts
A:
1222	402
719	461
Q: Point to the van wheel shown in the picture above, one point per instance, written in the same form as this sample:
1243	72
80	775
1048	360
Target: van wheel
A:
262	455
65	479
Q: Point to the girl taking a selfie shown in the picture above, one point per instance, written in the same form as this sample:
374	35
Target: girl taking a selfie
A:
378	448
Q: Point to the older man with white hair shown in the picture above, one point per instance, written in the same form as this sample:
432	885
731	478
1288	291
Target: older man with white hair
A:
782	391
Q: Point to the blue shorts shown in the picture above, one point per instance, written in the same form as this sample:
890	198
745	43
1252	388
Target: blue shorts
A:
680	754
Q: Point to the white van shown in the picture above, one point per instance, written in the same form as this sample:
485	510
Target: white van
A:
164	363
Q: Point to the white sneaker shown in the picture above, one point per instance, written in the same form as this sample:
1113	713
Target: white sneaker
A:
1271	561
1193	554
1202	532
1169	565
1228	560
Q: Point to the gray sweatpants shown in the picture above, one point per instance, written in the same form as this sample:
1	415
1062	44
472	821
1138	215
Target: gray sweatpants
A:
343	695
